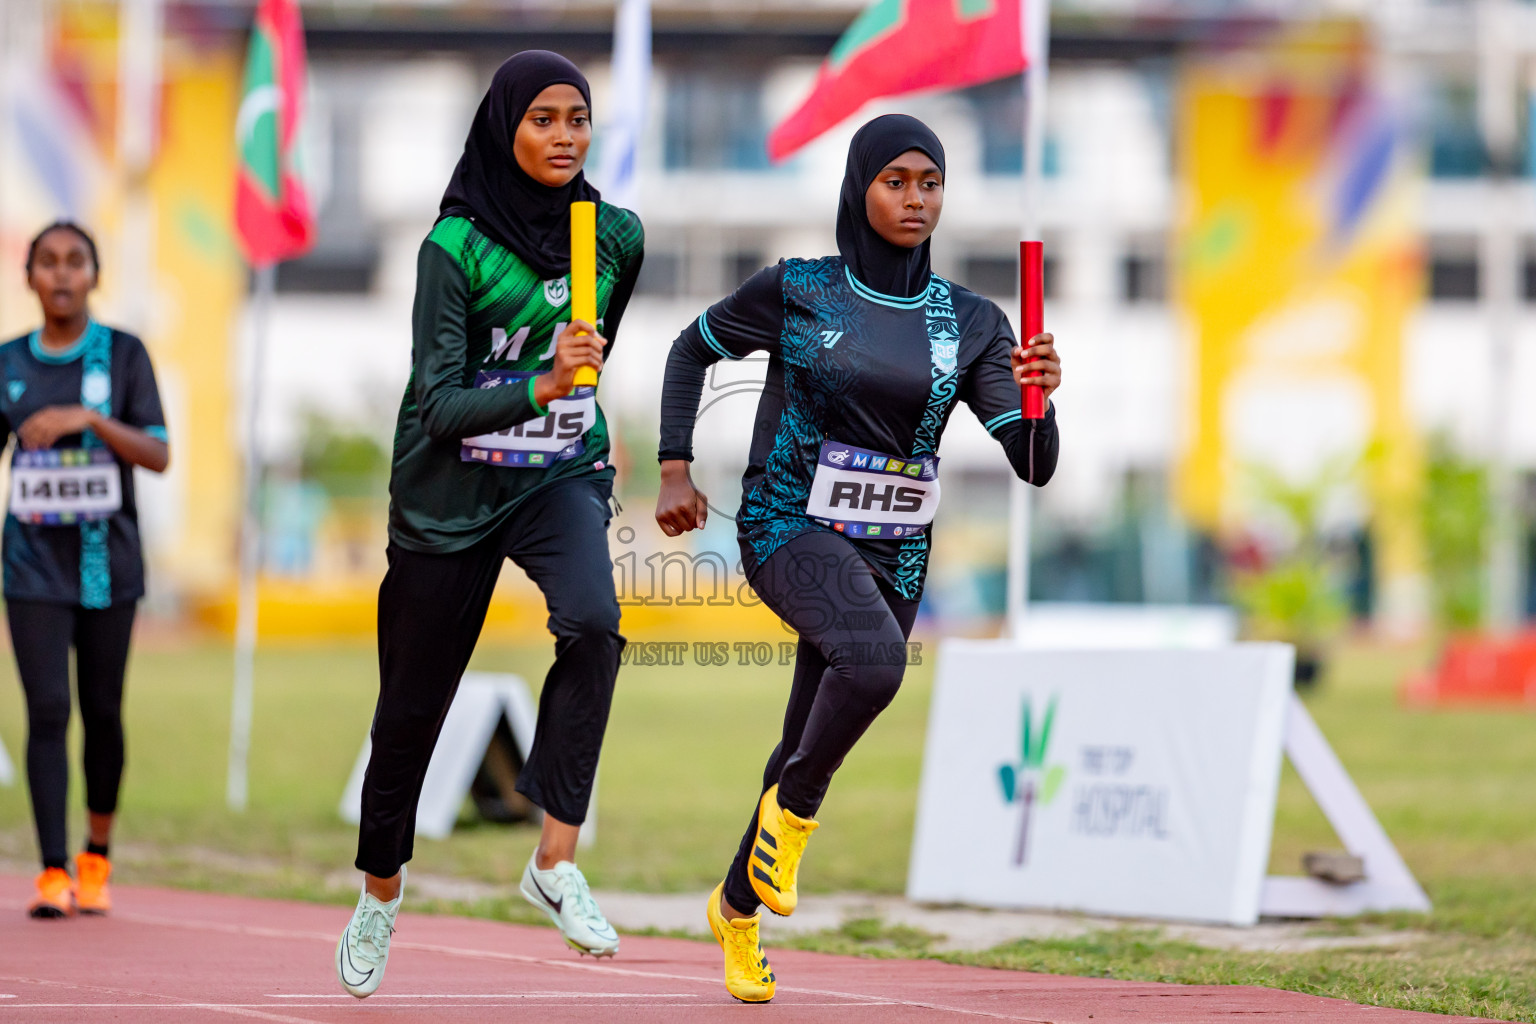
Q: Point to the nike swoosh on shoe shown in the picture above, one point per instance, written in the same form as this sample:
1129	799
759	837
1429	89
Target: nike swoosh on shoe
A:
554	903
346	956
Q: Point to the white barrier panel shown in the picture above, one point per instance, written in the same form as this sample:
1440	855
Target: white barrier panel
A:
1129	782
1132	783
1388	884
1069	625
483	699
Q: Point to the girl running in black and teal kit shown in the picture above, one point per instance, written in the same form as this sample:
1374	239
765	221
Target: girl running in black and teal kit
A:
81	399
869	353
497	456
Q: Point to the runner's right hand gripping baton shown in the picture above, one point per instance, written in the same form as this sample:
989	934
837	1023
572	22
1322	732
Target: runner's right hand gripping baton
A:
584	274
1032	289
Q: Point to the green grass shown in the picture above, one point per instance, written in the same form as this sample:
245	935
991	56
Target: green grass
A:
674	747
1456	790
1439	975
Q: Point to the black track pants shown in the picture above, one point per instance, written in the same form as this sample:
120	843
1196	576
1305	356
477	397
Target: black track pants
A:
431	609
41	636
852	656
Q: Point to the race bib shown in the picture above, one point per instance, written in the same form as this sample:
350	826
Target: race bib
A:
863	493
60	487
536	443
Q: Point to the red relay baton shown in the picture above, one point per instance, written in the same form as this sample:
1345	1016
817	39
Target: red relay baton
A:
1032	289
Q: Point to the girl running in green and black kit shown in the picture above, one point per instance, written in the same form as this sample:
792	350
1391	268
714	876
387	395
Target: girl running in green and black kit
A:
498	455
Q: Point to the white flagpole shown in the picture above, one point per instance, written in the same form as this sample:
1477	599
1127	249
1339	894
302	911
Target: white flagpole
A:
139	48
250	549
1036	18
619	175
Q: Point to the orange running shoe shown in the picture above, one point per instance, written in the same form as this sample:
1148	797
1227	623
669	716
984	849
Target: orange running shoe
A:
91	893
55	895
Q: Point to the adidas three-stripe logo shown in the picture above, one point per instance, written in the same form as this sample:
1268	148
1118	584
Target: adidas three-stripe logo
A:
762	854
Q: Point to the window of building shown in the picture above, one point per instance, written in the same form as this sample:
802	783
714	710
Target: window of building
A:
1456	147
1453	269
993	276
345	258
661	274
999	108
1143	272
1141	279
715	120
997	277
742	265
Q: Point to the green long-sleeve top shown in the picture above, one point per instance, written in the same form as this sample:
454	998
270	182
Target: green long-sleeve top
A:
481	309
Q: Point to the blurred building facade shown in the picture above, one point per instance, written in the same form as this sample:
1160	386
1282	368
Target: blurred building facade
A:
394	85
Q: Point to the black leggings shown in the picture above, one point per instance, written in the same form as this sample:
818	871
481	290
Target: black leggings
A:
853	629
431	609
41	636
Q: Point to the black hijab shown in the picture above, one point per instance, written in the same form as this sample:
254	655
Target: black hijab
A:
489	188
887	268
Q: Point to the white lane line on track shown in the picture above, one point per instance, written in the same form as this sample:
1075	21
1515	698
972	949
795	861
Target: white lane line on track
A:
245	1008
482	954
494	995
713	981
106	990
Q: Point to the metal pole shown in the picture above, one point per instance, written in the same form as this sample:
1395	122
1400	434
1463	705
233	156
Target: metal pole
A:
138	59
250	550
1501	265
1498	34
1036	30
23	33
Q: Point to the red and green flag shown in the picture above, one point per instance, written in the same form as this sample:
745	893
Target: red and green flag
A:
901	46
272	212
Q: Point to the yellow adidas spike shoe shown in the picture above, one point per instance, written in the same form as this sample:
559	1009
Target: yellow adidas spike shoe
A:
747	974
775	863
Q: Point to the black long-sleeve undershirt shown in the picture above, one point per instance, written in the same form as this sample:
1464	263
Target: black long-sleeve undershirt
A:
1031	446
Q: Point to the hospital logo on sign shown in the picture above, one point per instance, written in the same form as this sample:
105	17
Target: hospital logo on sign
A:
1029	780
556	291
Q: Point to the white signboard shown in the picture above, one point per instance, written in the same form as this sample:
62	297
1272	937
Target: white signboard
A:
1129	782
1063	625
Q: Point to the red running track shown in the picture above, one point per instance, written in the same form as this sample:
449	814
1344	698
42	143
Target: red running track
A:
166	955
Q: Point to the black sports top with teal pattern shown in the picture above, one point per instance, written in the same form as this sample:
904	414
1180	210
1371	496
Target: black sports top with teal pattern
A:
71	525
860	386
471	444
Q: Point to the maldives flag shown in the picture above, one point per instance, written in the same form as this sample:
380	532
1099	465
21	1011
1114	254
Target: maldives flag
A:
902	46
272	212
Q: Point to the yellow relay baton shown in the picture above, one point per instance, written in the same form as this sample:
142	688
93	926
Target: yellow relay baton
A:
584	274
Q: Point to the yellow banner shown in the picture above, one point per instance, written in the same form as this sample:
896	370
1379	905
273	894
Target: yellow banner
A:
1296	266
59	129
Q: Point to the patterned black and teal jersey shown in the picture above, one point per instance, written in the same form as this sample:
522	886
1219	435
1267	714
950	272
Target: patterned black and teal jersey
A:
74	558
484	326
858	368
